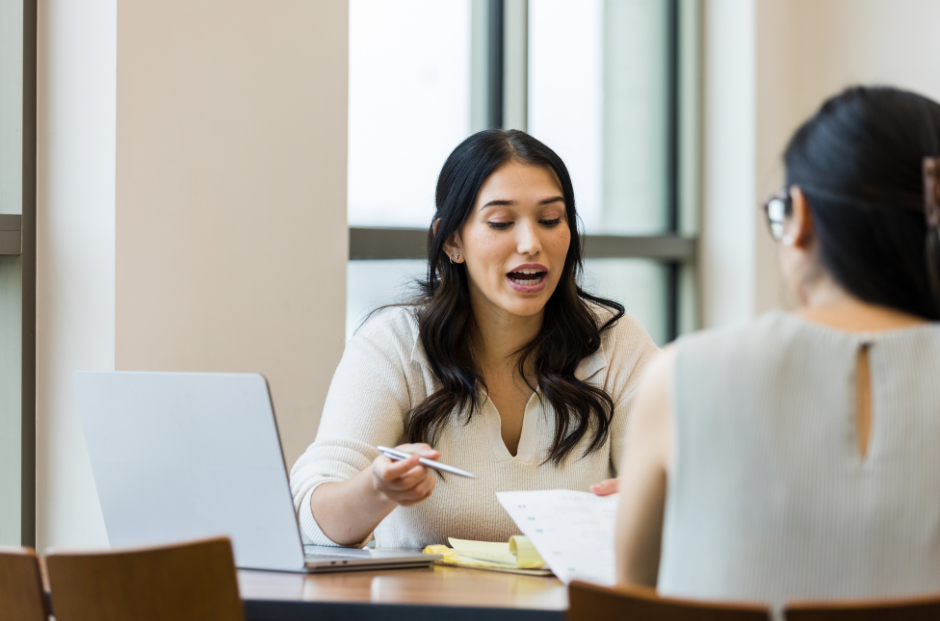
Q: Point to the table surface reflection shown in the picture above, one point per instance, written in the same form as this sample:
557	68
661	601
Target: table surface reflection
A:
426	587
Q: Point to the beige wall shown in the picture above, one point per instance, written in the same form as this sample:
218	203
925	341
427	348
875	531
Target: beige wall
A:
231	194
838	43
192	211
768	65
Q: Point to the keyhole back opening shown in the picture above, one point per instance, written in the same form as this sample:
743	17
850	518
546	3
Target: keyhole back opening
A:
863	400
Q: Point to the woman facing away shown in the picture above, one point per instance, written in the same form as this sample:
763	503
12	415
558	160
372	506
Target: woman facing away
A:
505	366
797	458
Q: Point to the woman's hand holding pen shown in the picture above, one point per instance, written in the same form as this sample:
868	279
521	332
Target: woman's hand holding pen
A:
405	482
348	511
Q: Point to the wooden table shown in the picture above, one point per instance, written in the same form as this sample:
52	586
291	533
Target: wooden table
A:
426	594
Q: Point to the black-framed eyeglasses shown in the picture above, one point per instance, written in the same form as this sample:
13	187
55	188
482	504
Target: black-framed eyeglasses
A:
776	208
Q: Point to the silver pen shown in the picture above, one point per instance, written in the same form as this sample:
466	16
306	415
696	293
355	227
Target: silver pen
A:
397	455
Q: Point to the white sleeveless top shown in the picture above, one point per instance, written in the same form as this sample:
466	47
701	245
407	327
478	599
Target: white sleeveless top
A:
769	498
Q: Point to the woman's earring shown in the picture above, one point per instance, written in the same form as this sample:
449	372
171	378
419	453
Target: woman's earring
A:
454	258
787	240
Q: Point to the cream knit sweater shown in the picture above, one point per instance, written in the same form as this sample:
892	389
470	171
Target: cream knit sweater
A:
384	373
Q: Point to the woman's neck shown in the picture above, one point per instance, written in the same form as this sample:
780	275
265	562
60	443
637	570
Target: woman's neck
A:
498	335
829	304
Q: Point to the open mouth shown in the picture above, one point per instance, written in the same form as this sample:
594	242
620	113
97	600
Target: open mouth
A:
527	278
530	278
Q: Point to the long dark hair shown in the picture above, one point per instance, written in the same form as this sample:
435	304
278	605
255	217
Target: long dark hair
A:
859	162
571	329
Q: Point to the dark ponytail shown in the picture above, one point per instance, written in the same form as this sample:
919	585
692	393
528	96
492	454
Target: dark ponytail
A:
860	163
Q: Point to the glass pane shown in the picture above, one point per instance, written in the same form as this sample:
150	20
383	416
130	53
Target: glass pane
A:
371	284
409	105
598	91
638	284
11	271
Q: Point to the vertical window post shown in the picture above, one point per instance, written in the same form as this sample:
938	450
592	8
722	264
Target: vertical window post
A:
496	22
673	268
28	454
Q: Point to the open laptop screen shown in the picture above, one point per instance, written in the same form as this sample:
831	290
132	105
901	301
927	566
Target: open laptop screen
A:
180	456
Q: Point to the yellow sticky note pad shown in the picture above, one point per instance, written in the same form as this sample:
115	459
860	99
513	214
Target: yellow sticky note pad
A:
518	555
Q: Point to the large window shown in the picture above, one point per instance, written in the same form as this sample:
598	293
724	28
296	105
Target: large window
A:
610	85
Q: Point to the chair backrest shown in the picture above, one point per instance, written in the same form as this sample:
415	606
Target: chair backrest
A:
21	592
909	609
186	582
589	602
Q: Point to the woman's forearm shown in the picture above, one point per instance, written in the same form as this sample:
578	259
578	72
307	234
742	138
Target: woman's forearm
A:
348	512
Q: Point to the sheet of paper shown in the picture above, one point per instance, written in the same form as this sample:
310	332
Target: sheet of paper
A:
572	531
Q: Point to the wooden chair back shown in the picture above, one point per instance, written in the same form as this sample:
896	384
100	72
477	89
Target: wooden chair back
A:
908	609
21	593
186	582
589	602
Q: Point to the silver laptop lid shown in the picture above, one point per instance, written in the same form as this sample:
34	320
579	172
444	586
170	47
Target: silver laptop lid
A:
180	456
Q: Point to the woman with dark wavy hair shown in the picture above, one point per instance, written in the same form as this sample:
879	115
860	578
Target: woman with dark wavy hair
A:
503	365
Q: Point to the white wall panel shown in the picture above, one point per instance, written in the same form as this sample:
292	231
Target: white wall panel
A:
75	253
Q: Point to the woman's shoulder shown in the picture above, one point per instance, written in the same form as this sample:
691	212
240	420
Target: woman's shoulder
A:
778	334
392	328
621	334
772	330
762	349
626	348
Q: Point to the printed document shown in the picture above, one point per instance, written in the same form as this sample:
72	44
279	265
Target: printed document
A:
572	531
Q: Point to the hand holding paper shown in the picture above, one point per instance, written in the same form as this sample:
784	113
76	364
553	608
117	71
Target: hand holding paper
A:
572	531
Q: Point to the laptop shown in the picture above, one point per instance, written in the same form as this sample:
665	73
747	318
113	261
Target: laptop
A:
181	456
